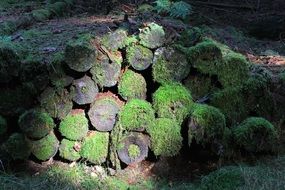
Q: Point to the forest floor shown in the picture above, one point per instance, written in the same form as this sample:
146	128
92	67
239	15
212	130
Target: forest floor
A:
42	41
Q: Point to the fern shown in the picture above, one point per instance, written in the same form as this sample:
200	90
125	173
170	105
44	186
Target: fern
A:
162	6
180	9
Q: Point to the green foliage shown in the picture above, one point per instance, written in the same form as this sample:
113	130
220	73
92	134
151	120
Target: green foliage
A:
46	147
36	124
136	114
256	134
17	146
132	85
165	136
162	6
74	126
152	36
133	151
208	124
3	125
69	150
95	147
145	8
172	101
180	9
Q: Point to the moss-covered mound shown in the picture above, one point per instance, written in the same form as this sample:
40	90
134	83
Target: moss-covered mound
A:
80	54
136	115
74	126
256	134
172	101
152	36
169	65
139	57
104	110
69	150
46	147
95	147
132	85
56	102
115	40
36	124
207	124
84	90
17	146
3	126
165	137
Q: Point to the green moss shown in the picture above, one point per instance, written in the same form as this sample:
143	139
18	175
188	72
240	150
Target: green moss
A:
256	134
207	124
191	37
17	146
3	126
227	178
172	101
152	36
69	150
132	85
169	65
165	136
133	151
145	8
139	57
46	147
41	14
115	40
136	115
95	147
74	126
36	124
131	40
233	70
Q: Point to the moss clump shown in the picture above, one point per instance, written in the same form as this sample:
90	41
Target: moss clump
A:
95	147
74	126
115	40
256	134
17	146
3	125
152	36
46	147
233	70
169	65
165	137
191	37
139	57
136	115
132	85
80	54
134	151
36	124
207	124
69	150
172	101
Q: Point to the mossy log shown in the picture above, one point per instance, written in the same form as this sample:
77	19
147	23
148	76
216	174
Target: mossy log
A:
84	90
103	111
115	40
56	102
69	150
133	148
152	36
139	57
169	65
105	71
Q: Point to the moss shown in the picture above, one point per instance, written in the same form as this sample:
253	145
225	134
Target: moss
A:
256	134
133	151
165	137
132	85
205	57
36	124
3	126
234	70
207	124
41	14
115	40
46	147
139	57
17	146
169	65
136	115
145	8
152	36
95	147
191	37
74	126
131	40
172	101
69	150
80	54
